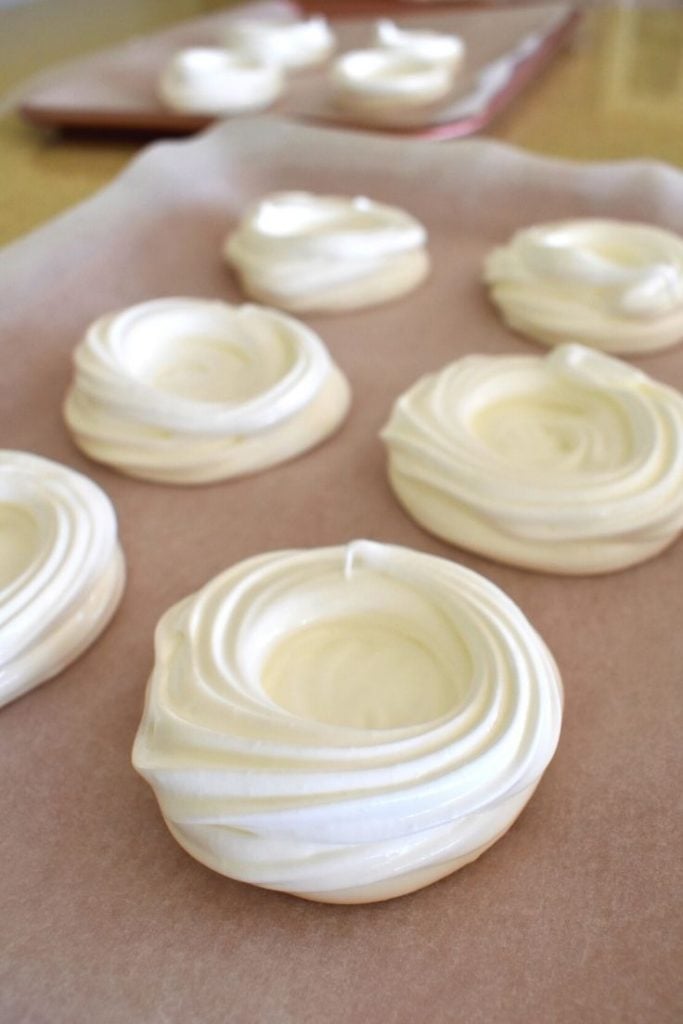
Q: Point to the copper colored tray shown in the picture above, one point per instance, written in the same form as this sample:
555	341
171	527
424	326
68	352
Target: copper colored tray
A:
115	90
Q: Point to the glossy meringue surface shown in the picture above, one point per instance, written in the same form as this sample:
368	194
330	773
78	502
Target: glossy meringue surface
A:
306	252
289	44
192	390
569	463
61	568
285	734
389	79
614	285
437	47
210	80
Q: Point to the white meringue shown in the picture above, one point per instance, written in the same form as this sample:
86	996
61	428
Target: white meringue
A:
208	80
189	391
346	724
569	463
287	44
305	252
384	81
614	285
436	47
61	568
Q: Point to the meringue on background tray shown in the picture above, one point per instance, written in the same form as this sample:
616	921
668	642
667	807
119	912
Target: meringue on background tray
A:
404	69
178	79
208	80
291	44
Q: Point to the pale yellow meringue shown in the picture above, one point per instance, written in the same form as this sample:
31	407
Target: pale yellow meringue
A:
610	284
212	81
568	463
383	80
290	44
305	252
346	724
190	391
61	568
425	44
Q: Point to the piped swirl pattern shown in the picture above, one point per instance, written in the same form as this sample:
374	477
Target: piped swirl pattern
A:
324	805
613	285
190	391
570	463
61	568
305	252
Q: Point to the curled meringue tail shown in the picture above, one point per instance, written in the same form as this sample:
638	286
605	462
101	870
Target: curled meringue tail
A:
614	285
595	368
367	551
657	289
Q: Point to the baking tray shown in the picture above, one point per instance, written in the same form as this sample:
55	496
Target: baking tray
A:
573	915
115	90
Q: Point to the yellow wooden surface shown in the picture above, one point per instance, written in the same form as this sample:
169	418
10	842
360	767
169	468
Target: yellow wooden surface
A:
615	92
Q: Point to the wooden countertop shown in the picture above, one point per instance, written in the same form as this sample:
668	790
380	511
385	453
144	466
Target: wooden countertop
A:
615	92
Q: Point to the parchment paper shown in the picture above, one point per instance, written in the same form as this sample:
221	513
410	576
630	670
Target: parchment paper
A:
574	916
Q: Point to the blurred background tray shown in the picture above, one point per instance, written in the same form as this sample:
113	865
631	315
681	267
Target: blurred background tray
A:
115	90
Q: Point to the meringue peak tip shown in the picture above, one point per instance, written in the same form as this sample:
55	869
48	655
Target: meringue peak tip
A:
359	550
